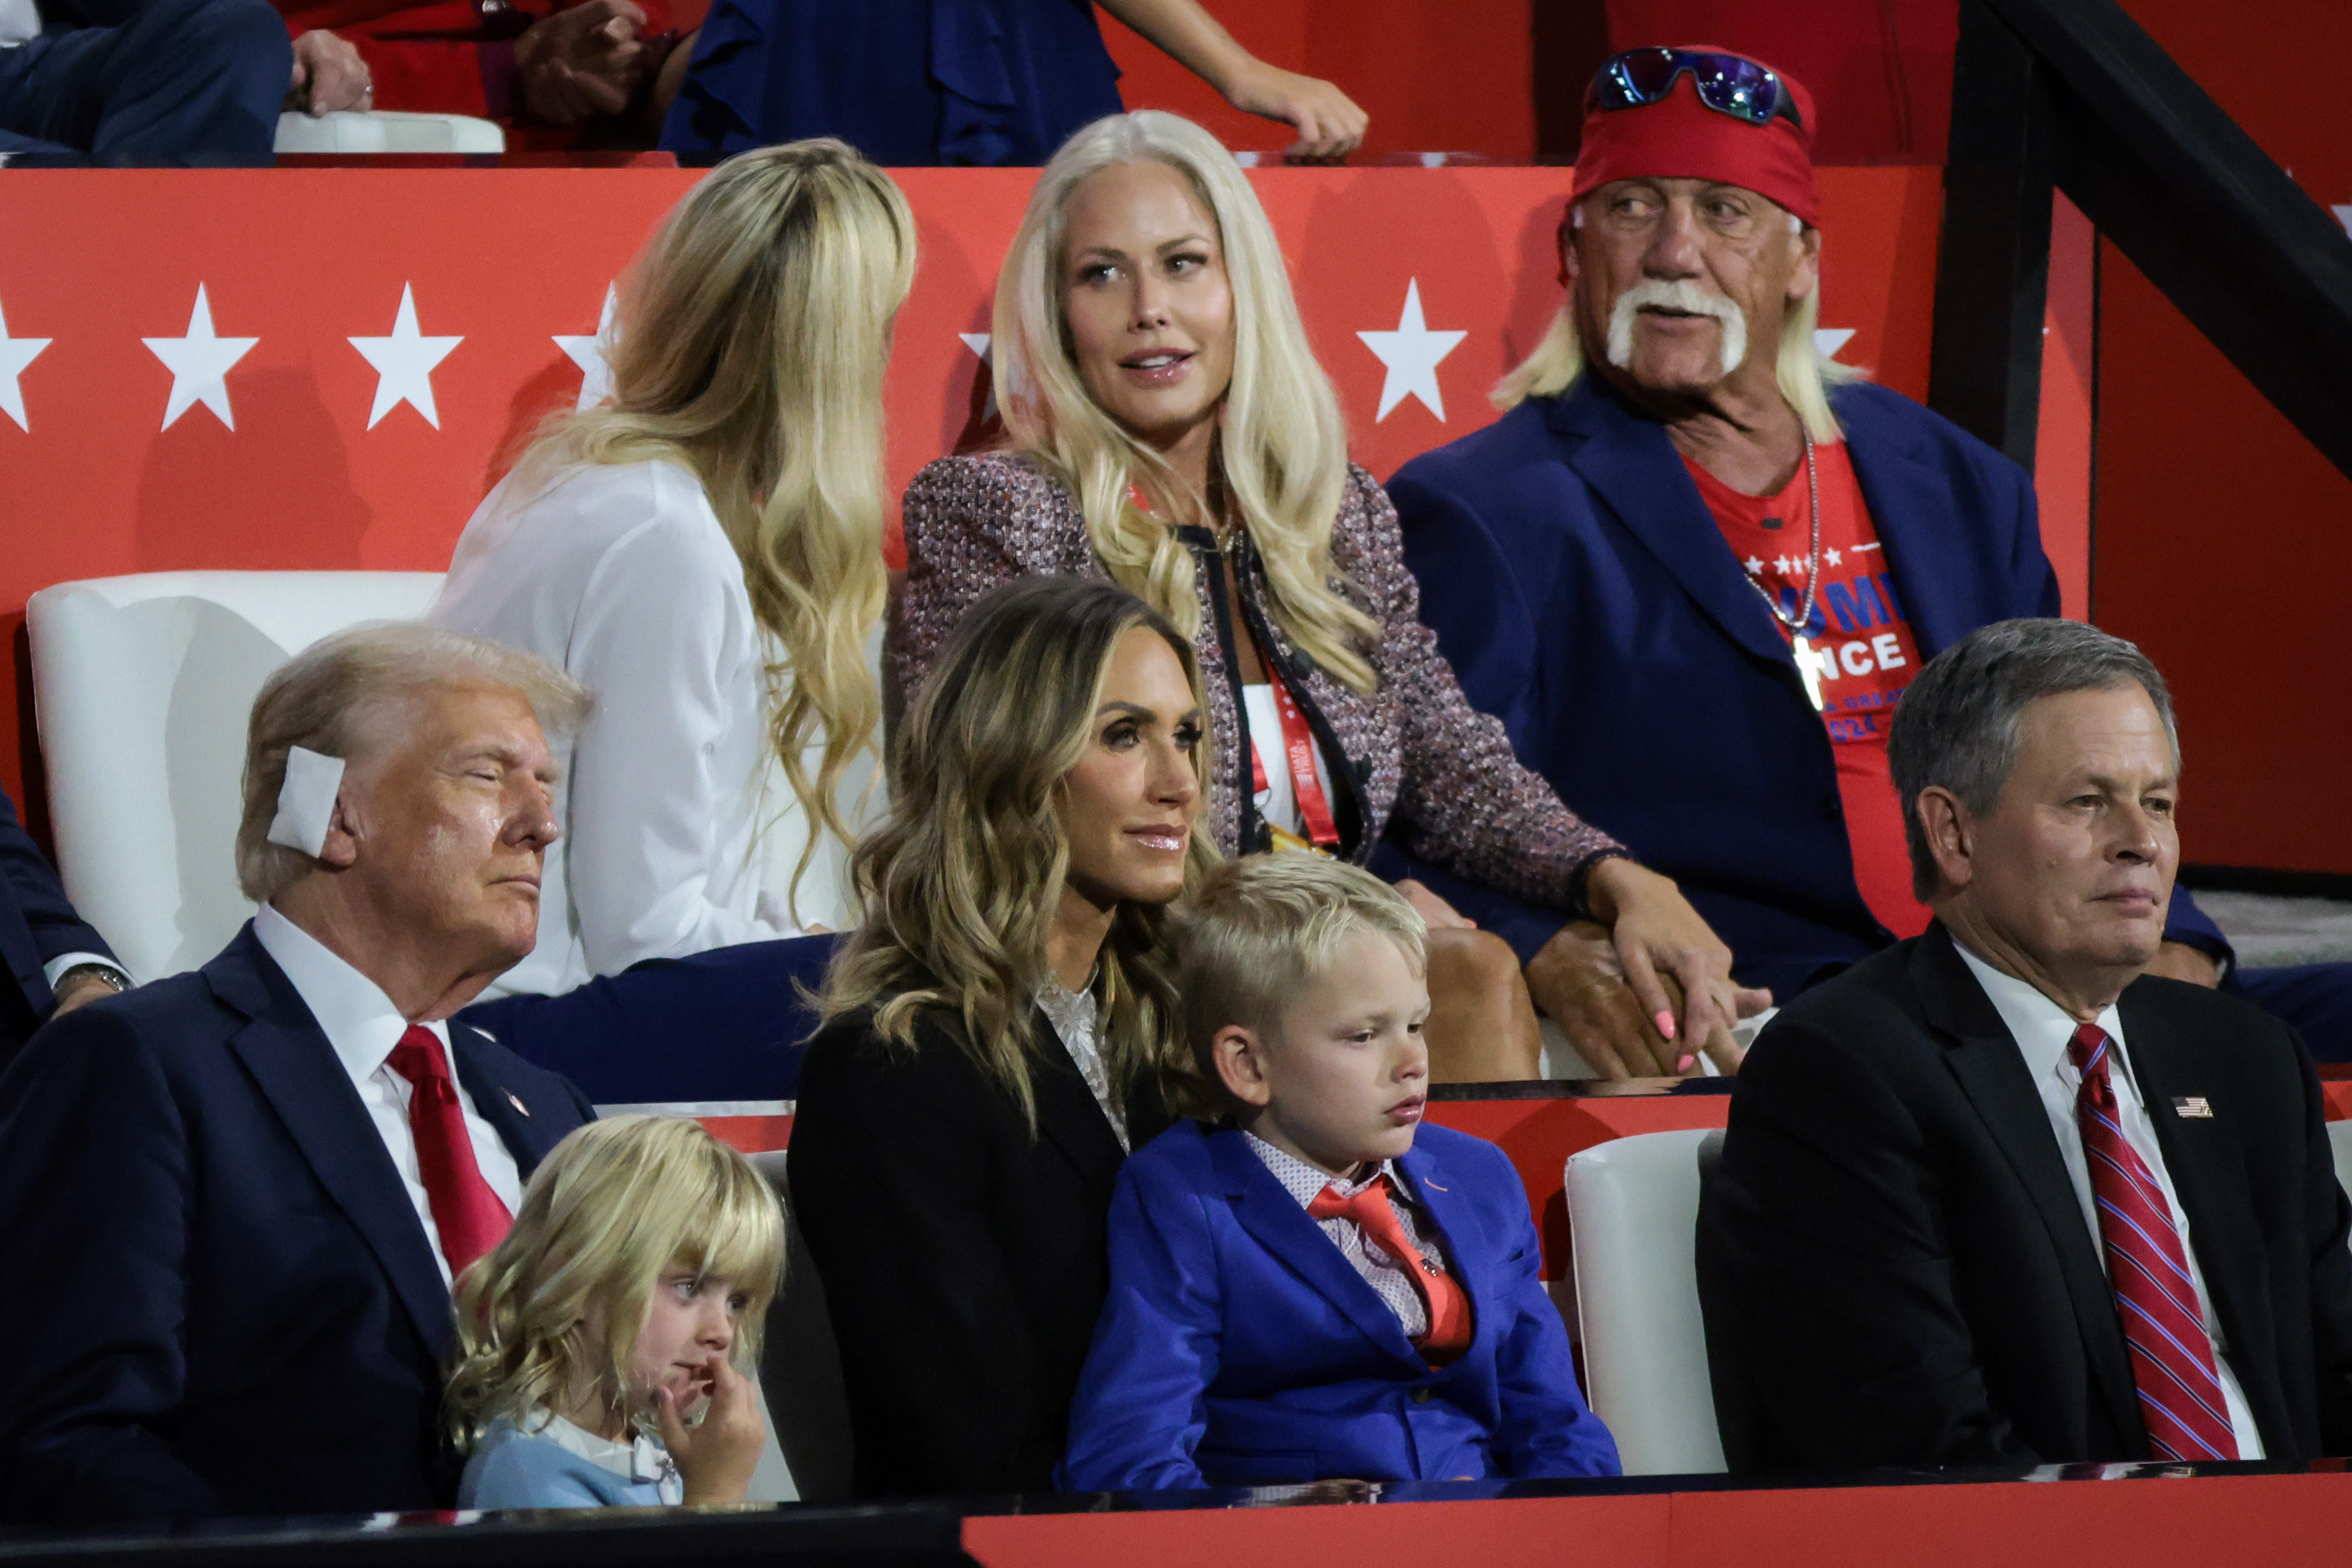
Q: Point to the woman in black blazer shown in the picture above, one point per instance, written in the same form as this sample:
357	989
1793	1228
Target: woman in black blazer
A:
1000	1031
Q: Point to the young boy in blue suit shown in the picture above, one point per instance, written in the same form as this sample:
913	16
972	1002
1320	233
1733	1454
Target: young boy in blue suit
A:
1320	1287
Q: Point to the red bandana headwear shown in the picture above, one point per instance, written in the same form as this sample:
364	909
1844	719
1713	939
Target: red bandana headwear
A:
1681	138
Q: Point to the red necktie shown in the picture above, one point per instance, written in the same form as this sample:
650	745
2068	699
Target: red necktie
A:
1449	1310
2171	1354
469	1216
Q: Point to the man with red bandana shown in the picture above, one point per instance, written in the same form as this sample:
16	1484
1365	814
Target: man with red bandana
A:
555	69
1696	564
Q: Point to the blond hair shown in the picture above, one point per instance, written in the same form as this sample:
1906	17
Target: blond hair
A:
960	884
1260	929
612	1207
1804	373
340	697
753	334
1282	444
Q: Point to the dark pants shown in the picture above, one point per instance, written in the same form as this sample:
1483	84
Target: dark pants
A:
2315	998
724	1024
147	83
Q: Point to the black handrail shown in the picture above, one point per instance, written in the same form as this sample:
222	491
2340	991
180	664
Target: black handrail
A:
2074	94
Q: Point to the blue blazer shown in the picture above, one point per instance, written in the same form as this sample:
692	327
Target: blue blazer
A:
221	1299
37	923
1239	1347
1584	593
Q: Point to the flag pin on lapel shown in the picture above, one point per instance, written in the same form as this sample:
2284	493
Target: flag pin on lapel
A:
2191	1105
516	1100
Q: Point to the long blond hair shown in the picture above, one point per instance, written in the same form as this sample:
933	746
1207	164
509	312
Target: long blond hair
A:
959	885
1804	373
753	334
1282	444
612	1207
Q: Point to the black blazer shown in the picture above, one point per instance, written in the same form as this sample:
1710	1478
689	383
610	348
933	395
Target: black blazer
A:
1894	1267
37	923
964	1260
220	1300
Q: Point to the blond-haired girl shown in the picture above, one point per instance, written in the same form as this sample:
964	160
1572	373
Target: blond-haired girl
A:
1169	429
704	552
631	1289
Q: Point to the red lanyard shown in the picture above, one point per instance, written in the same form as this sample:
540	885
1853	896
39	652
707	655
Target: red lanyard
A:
1298	745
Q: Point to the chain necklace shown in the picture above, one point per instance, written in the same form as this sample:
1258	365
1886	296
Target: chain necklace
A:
1795	627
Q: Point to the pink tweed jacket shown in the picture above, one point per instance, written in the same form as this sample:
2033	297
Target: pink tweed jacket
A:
1415	750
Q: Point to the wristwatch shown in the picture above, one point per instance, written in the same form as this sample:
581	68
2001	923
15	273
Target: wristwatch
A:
114	979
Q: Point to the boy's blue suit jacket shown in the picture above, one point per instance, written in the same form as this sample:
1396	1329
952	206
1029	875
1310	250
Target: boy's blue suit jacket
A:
1240	1348
1584	595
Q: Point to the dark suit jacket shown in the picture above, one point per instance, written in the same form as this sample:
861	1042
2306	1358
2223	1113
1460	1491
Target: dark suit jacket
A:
37	923
1894	1267
964	1259
1584	595
221	1300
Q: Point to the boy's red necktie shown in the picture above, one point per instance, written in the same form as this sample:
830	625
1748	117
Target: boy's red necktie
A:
1440	1293
2171	1354
469	1216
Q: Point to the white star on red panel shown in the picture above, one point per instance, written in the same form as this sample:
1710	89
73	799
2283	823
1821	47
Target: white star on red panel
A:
199	363
1755	567
590	354
1828	339
404	364
15	354
1411	354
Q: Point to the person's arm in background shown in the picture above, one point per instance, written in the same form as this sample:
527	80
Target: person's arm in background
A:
1330	125
1545	1429
72	963
585	61
958	548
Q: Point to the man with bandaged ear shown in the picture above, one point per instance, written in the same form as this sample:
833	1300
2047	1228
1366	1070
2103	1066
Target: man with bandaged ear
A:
244	1191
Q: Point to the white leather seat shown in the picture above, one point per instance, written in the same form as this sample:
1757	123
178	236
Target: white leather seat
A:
143	686
2339	1140
1633	1211
387	131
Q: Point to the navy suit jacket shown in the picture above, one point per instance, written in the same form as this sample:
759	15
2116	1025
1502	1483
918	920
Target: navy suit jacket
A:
1239	1346
221	1298
1581	590
37	923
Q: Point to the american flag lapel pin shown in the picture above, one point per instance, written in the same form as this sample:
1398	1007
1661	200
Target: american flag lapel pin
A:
516	1100
2192	1105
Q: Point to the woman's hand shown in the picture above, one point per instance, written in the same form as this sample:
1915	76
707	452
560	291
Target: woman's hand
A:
1330	125
1658	991
1435	912
716	1457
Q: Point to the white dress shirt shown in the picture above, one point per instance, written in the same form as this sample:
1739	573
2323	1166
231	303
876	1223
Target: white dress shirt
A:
679	832
1371	1260
2043	1031
362	1026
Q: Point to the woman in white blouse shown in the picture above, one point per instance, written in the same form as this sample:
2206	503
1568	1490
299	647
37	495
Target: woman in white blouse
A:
704	552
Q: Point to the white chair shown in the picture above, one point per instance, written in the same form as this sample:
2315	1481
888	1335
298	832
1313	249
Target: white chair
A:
2339	1141
1633	1213
143	686
386	130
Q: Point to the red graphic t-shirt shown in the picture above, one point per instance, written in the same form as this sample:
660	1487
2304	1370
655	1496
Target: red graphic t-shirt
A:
1860	645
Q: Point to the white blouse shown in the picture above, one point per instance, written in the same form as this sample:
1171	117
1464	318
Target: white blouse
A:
679	832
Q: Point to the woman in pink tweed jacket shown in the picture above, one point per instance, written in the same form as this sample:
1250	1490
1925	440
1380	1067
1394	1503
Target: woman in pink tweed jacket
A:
1169	429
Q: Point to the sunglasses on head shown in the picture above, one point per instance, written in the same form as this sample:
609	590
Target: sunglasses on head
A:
1727	84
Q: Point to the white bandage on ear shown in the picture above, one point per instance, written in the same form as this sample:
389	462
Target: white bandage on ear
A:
306	801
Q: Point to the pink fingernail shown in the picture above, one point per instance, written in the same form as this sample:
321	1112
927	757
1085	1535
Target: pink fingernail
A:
1683	1064
1666	1023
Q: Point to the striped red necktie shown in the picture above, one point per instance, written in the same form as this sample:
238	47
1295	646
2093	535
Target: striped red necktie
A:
466	1213
2171	1354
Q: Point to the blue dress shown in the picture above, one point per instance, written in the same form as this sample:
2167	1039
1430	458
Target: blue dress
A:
558	1465
906	83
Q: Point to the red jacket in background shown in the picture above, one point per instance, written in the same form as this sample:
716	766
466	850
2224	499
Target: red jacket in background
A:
440	57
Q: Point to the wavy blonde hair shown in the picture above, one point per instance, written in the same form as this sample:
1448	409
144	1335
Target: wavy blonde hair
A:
960	884
612	1207
753	334
1282	444
1804	373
